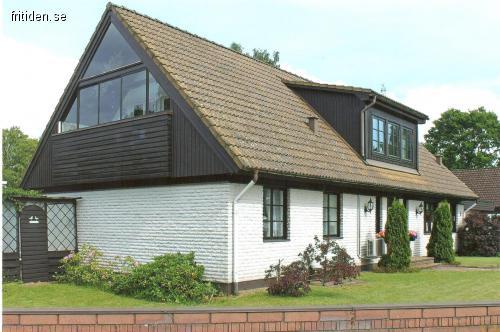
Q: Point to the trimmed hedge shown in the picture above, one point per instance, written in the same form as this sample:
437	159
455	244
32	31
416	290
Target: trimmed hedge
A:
440	244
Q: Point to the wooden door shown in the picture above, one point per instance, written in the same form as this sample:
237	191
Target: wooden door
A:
34	252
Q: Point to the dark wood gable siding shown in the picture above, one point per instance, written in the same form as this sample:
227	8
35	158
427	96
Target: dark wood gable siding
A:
341	110
192	156
125	150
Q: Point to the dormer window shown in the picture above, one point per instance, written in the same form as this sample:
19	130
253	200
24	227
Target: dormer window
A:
115	86
378	135
393	139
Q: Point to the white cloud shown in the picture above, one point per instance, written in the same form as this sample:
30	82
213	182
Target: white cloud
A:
33	80
436	99
305	74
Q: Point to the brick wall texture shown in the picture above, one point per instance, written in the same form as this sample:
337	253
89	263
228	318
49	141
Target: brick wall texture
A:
477	317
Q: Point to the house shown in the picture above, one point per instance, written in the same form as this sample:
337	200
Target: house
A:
485	182
173	143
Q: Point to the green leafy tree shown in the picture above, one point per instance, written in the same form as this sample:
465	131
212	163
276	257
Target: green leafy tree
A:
18	149
396	236
440	244
466	139
259	54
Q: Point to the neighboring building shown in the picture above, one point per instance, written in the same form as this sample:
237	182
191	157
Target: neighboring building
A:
485	182
174	143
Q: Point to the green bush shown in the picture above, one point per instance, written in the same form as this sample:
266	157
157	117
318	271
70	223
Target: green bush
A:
440	244
398	255
168	278
85	268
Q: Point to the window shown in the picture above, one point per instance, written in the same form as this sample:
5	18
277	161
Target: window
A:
393	139
274	215
118	98
113	52
407	144
134	95
453	208
331	215
378	135
88	106
159	101
70	122
109	101
428	211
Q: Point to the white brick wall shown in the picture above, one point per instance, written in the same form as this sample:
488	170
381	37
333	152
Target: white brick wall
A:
253	254
147	222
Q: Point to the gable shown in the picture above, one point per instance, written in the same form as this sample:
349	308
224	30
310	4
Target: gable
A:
113	52
114	122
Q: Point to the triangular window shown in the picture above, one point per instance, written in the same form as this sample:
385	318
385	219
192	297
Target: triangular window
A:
113	52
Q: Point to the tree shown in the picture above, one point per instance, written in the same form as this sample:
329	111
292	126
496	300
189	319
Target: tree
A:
398	256
440	244
466	139
18	149
259	54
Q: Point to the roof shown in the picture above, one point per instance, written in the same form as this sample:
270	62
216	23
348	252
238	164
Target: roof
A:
260	121
353	89
485	182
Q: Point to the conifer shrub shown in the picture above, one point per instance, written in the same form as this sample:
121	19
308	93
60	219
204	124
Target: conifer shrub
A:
440	244
398	255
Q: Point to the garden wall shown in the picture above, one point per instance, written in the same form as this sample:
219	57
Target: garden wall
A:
462	317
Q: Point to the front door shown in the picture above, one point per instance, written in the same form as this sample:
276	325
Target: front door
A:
34	252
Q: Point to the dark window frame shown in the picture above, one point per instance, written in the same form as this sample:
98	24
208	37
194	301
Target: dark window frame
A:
384	130
453	210
398	140
109	76
378	214
284	209
428	216
339	219
410	144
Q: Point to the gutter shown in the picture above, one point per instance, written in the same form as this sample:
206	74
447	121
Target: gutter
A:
363	112
234	276
358	224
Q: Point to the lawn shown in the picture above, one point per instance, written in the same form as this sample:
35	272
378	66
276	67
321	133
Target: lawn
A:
479	261
373	288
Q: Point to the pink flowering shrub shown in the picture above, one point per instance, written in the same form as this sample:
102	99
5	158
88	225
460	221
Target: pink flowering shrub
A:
412	235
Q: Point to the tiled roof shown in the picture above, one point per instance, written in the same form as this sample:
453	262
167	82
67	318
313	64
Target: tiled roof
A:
485	182
260	121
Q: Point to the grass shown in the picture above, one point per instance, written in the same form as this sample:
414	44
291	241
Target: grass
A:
373	288
489	262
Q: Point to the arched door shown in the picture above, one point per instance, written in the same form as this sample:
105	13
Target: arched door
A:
34	252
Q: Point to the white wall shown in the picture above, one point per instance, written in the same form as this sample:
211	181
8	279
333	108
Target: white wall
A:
253	254
416	223
147	222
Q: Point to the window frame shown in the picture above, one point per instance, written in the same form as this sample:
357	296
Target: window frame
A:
384	124
106	77
428	216
285	213
398	140
410	142
453	210
339	219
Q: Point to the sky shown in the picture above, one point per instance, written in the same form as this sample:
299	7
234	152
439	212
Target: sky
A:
429	55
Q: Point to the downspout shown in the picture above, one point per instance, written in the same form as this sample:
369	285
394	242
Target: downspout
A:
363	112
233	224
358	224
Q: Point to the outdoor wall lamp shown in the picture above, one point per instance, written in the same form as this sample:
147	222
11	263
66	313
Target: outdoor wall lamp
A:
369	206
419	209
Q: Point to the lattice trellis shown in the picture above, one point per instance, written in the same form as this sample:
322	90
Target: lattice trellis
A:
9	227
61	231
